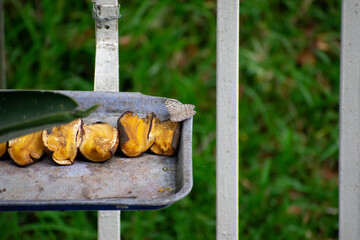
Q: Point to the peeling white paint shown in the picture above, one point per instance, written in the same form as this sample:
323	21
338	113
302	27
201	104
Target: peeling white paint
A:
107	48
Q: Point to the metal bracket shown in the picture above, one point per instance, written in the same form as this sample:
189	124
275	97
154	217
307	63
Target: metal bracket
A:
96	13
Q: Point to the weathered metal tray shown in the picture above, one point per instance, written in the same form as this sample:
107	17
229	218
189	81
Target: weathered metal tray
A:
145	182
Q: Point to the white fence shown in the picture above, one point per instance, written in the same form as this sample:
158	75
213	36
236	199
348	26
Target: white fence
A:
349	199
227	155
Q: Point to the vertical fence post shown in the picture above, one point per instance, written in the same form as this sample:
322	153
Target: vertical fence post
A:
2	48
349	220
106	14
227	123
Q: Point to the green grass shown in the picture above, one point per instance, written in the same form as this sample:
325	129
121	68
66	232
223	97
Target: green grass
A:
289	68
289	77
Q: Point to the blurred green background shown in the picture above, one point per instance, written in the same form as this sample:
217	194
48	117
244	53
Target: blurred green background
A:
288	98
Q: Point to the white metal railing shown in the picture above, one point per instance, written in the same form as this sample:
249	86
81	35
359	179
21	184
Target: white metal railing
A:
107	79
227	119
349	199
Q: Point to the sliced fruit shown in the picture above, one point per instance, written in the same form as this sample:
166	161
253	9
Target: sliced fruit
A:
26	149
62	142
99	141
135	137
167	135
3	147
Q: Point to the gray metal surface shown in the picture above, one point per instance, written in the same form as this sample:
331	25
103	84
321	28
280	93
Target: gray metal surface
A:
148	180
349	153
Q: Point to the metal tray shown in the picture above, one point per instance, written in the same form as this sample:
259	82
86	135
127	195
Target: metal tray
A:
145	182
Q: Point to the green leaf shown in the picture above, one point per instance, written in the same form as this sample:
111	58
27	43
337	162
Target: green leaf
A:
23	112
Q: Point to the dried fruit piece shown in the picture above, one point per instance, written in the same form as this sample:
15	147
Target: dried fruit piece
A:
99	141
63	142
167	135
26	149
3	147
135	137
